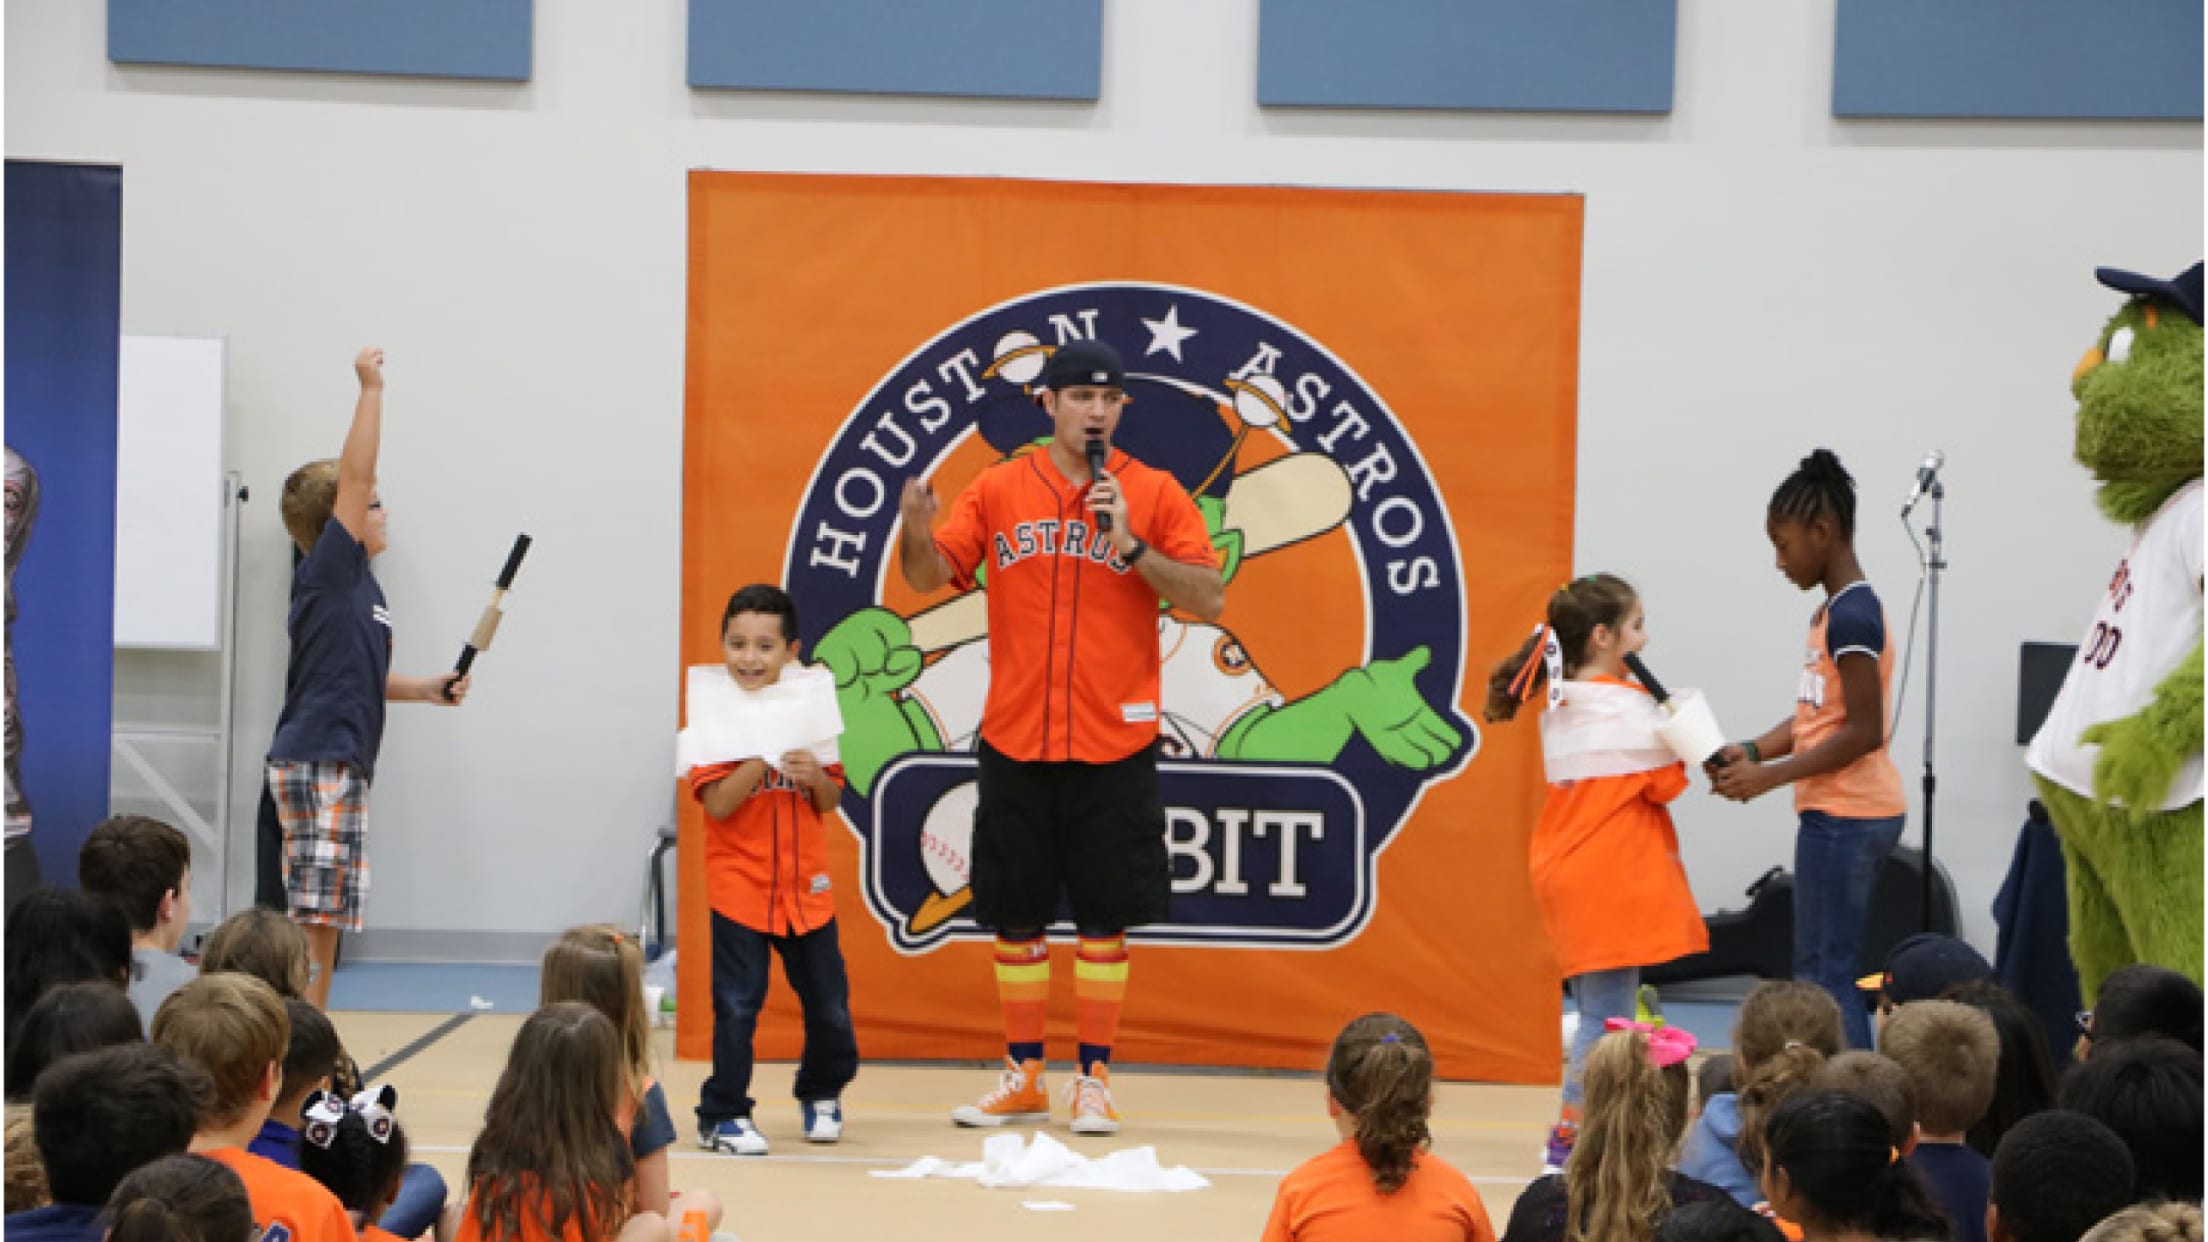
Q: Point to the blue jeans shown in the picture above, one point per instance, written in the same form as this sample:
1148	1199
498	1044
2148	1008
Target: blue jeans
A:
421	1201
1600	994
1835	862
813	963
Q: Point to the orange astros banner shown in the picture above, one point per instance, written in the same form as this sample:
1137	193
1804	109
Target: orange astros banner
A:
1371	397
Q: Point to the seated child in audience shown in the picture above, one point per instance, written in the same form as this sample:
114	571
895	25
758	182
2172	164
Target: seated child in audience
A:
2024	1083
1777	1016
308	1059
99	1115
56	936
356	1149
270	947
2148	1090
145	867
181	1199
2143	1000
1951	1053
1380	1181
2056	1174
550	1163
1829	1165
1712	1078
1618	1184
233	1027
1881	1080
72	1018
1922	967
603	968
2157	1222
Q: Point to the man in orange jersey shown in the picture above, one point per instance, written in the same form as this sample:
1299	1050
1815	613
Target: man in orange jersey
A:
1076	561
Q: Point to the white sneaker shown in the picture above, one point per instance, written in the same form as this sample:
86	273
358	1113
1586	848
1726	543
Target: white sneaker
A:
823	1120
738	1137
1089	1099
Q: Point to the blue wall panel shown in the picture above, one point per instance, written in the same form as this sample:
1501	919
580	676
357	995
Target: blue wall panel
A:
1499	55
2018	58
1033	49
416	38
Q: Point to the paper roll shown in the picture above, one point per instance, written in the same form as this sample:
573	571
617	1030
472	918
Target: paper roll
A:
1692	733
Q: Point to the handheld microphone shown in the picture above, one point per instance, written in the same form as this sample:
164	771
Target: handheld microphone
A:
1096	451
1926	473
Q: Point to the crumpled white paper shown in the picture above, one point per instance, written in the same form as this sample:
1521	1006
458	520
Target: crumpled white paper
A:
1008	1161
728	723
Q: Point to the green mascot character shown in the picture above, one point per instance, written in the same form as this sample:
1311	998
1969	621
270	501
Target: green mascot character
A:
2118	761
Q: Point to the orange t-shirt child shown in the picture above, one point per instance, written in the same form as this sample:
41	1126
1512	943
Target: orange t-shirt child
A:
288	1205
1852	622
766	865
1073	630
532	1226
1331	1198
1604	855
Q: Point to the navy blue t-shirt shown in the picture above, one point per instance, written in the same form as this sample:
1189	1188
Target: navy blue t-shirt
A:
62	1222
340	657
1960	1180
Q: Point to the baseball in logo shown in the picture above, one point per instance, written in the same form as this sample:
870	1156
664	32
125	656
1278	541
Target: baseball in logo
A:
1278	804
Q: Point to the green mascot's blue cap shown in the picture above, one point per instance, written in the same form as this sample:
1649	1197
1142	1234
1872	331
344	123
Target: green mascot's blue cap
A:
2182	291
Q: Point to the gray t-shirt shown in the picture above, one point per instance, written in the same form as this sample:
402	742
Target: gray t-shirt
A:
153	975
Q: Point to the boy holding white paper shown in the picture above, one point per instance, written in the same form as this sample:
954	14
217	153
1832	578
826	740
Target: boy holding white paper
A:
760	754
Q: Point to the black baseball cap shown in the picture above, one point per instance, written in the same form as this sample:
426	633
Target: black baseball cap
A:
1925	965
1084	362
2181	290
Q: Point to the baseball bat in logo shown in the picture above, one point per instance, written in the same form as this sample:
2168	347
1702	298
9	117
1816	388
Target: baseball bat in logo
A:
1277	805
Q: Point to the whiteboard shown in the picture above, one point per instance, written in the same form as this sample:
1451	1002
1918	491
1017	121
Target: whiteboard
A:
169	493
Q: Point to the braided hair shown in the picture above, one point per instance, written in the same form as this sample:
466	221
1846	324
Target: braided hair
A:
1382	1074
1819	488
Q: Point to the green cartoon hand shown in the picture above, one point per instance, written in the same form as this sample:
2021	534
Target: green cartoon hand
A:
1384	706
872	657
871	654
2135	766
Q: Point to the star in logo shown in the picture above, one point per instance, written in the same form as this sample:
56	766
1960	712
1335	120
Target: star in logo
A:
1167	334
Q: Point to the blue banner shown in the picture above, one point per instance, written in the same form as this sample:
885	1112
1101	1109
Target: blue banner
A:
64	308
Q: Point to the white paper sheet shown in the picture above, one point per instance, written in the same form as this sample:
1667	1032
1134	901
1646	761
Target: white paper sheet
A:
1009	1161
728	723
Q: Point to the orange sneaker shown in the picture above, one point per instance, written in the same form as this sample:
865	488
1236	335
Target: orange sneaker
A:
1089	1098
1019	1097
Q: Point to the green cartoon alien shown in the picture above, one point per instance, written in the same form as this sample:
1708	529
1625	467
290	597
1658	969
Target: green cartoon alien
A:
2118	761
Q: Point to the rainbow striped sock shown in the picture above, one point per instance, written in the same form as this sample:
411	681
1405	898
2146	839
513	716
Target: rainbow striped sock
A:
1023	989
1099	988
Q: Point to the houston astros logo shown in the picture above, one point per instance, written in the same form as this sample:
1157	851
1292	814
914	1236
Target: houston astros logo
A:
1277	806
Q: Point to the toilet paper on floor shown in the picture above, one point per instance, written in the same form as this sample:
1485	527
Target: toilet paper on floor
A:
1009	1161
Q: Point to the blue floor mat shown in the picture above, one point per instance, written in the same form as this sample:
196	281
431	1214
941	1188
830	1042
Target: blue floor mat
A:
435	987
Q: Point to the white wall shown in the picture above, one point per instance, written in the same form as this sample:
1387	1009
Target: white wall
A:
1760	279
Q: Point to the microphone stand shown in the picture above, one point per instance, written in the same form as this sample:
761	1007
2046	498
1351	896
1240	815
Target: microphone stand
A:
1934	562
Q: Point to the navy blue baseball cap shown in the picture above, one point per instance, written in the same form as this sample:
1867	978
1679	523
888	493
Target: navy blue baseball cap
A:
2181	291
1084	362
1925	965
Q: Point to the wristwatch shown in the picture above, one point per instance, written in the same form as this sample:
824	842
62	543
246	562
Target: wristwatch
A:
1135	553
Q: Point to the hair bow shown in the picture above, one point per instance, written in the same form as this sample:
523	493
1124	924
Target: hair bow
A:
323	1111
1550	653
1667	1045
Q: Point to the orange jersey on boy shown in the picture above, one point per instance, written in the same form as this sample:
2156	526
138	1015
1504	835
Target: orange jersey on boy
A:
288	1205
1331	1198
1073	633
766	865
1851	623
1606	869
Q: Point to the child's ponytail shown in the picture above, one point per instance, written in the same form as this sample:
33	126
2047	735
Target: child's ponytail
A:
1382	1074
1574	610
1839	1159
1779	1077
1616	1184
180	1199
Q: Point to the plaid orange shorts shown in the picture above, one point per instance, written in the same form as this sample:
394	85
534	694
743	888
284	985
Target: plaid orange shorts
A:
323	806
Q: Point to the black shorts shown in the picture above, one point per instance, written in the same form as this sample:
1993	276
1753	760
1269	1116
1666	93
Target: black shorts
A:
1094	832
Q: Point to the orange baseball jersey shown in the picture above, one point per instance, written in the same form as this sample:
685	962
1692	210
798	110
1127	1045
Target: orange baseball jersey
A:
766	865
1331	1198
1606	870
1852	622
288	1205
1073	630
